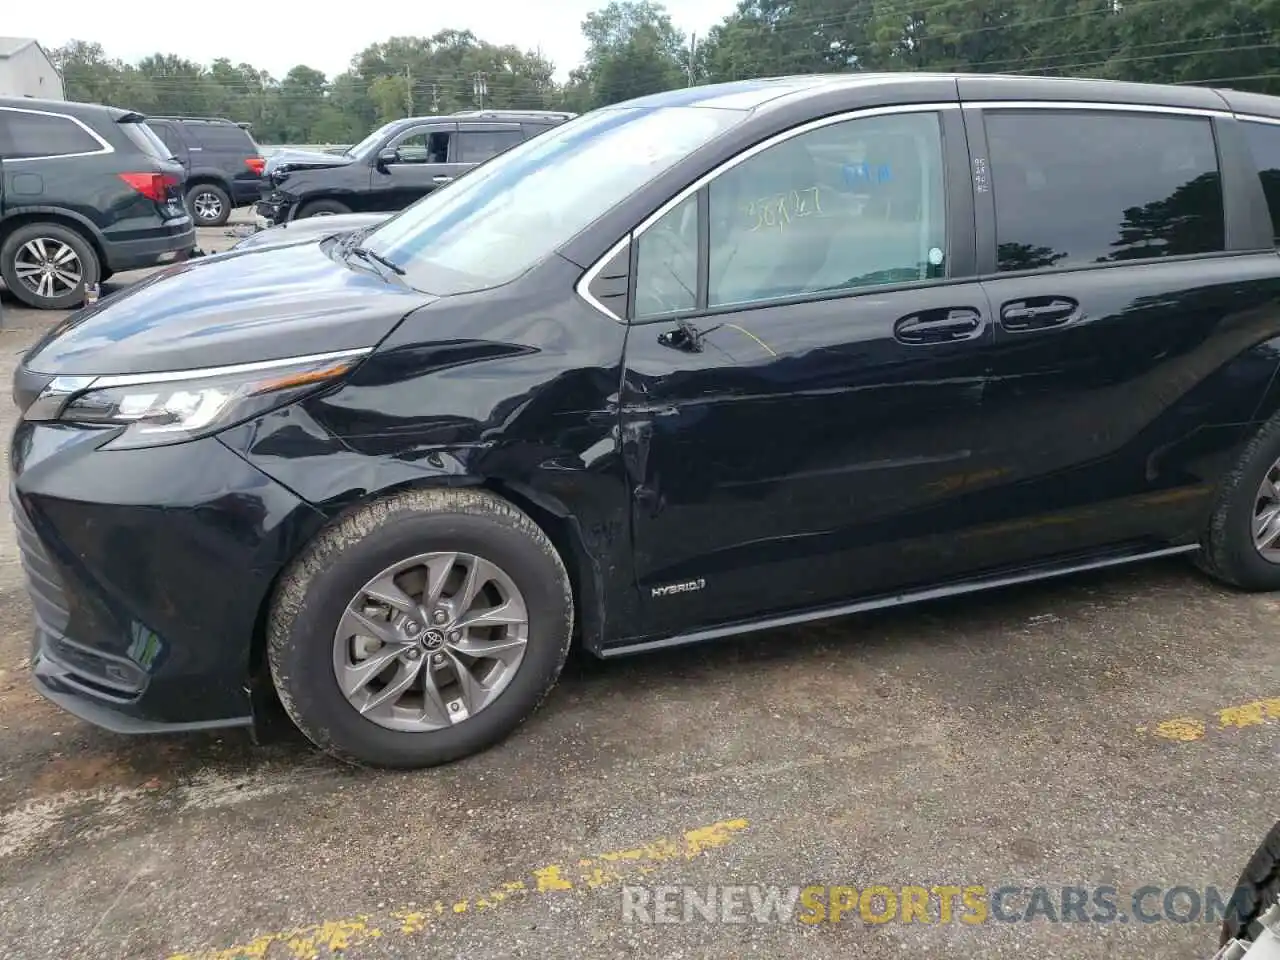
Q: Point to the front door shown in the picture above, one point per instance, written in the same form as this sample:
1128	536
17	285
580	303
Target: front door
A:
1120	299
801	413
421	163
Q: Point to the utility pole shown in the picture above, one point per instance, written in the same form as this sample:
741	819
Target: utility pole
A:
408	91
435	98
693	50
479	87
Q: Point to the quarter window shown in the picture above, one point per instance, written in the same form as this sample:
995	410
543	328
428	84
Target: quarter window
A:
1077	188
1264	144
41	135
855	204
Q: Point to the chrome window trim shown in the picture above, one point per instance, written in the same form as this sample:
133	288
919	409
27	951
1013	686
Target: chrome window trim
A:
781	137
584	285
1108	106
103	145
60	390
1253	118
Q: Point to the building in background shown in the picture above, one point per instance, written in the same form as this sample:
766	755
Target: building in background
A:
27	71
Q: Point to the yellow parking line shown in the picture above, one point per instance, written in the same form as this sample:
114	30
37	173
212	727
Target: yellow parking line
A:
1186	729
307	943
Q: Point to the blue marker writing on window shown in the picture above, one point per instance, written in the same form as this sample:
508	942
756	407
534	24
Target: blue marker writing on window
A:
861	174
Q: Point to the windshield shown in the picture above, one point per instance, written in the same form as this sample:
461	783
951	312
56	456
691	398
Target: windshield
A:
367	144
493	224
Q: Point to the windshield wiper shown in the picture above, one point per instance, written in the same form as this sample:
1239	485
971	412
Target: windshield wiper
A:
366	254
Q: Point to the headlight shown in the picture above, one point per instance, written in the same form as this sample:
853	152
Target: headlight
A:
163	408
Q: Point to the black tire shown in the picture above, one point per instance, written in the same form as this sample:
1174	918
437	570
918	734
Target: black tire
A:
50	234
313	594
1227	552
1256	890
209	205
320	208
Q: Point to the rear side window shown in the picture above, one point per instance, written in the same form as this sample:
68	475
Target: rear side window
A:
1264	144
1078	188
25	134
170	136
224	138
146	140
475	146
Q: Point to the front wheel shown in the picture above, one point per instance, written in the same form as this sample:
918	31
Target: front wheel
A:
420	628
322	208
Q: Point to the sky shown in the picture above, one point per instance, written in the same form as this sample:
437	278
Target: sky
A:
324	34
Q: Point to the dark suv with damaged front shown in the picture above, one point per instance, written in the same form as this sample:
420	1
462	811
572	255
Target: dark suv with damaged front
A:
693	365
395	165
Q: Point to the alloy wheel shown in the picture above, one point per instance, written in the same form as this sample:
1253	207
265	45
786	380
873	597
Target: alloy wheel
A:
430	641
1266	515
48	268
207	206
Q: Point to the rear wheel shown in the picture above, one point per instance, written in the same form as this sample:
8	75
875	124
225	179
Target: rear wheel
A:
420	629
321	208
48	265
1242	546
209	204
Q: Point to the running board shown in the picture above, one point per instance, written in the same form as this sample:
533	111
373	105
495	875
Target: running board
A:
882	602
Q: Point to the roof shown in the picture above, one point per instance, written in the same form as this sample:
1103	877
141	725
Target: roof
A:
11	45
748	95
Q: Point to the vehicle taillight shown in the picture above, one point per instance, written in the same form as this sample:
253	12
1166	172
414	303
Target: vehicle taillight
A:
153	186
256	164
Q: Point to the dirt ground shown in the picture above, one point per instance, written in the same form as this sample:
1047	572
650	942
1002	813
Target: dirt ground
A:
1116	730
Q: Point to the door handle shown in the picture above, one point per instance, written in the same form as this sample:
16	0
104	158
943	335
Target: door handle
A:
441	178
1038	313
943	325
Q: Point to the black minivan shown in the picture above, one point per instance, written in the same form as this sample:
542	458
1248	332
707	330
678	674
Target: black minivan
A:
714	360
86	190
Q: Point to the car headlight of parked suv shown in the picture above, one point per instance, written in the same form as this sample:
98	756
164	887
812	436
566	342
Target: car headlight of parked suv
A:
164	408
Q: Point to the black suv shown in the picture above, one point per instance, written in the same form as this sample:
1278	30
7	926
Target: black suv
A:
223	163
85	191
396	164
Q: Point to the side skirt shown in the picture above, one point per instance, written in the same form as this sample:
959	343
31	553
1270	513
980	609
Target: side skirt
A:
889	600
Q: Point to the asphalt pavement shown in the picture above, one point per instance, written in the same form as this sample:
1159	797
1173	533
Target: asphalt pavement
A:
1021	759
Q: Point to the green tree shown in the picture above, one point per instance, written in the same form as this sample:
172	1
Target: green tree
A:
633	49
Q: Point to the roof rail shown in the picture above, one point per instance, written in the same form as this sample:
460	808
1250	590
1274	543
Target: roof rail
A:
548	114
240	124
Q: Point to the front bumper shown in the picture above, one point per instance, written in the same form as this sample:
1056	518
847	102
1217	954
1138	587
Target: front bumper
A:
148	571
275	207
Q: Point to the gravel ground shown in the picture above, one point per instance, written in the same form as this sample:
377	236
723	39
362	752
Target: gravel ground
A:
1115	730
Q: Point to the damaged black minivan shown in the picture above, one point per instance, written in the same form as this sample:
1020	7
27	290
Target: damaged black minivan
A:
709	361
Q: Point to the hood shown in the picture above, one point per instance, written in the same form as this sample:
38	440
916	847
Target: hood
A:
236	308
295	159
309	228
